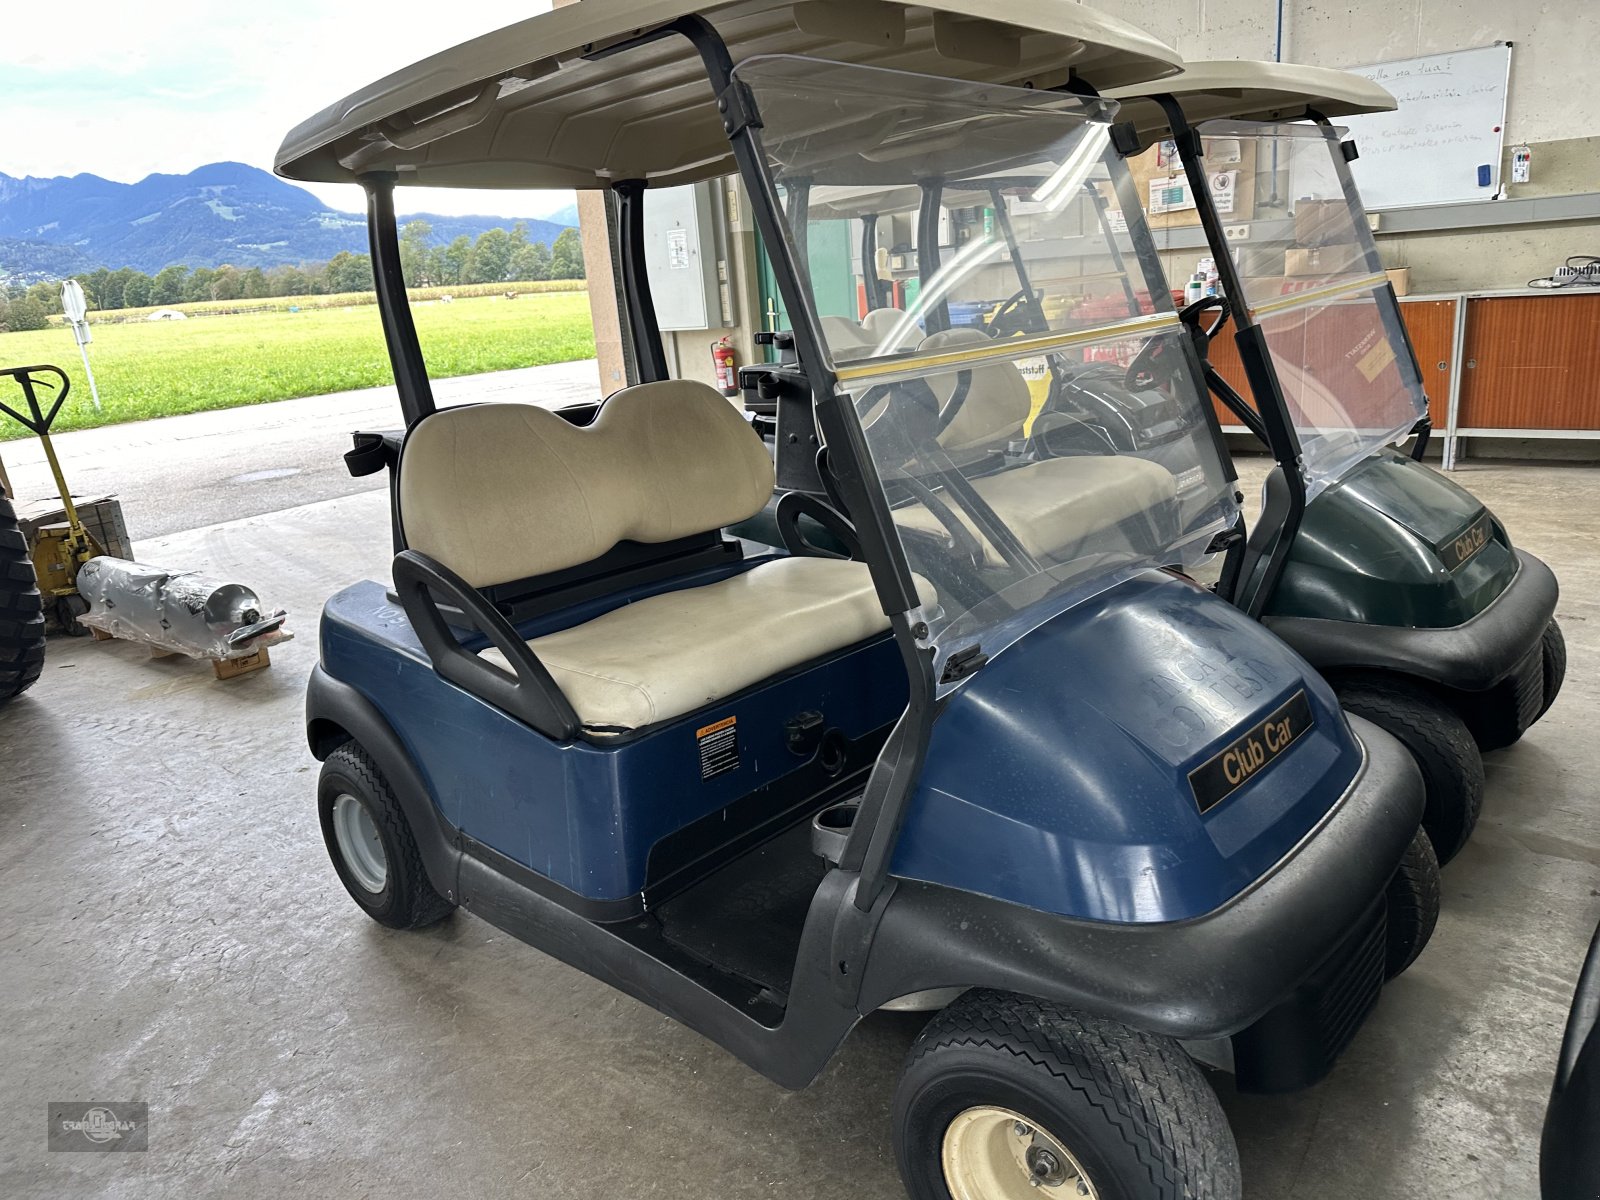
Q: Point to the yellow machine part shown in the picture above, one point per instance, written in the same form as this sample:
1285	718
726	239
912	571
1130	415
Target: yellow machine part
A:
53	560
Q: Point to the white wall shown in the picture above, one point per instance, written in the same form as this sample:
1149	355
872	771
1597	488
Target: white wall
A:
1553	105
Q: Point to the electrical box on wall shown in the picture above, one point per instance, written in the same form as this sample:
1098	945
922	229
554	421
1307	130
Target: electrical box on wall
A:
681	256
1521	164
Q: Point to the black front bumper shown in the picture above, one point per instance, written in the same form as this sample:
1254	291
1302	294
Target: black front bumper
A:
1301	937
1474	656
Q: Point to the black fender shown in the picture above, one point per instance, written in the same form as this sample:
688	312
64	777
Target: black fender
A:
1569	1152
337	713
1471	657
1201	979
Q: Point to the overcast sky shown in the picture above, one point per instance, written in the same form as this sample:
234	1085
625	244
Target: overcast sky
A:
125	88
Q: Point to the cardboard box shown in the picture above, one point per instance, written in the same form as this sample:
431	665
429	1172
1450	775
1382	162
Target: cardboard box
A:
1324	260
101	516
1322	222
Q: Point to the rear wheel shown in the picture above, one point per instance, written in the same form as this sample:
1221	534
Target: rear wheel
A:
1413	900
21	610
1441	744
1554	647
371	843
1006	1098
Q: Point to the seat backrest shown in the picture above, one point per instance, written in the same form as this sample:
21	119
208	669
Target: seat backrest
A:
998	401
502	492
882	323
845	338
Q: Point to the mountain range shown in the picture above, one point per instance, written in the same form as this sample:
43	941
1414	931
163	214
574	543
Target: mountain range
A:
220	213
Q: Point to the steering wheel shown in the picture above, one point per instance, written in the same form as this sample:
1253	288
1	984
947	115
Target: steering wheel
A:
1190	315
997	324
1147	368
907	440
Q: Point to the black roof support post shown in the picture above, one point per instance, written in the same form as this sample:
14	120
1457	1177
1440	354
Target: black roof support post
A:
399	331
870	283
936	317
1262	376
643	328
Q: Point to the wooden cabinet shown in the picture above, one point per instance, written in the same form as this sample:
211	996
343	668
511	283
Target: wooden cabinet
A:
1531	363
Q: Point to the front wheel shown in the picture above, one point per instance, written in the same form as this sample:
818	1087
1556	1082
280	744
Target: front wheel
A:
1007	1098
1413	900
371	843
1441	744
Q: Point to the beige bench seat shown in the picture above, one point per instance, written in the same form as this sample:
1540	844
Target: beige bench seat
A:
1054	506
670	654
499	493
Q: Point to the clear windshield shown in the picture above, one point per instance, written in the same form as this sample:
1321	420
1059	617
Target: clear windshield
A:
1312	276
1029	399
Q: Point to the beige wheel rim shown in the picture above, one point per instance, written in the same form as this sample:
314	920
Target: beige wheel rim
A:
995	1154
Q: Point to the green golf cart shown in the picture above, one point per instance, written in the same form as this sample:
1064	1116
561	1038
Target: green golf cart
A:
1394	581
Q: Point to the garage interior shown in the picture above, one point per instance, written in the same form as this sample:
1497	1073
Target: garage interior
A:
174	931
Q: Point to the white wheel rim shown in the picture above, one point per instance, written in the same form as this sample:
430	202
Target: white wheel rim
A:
359	843
995	1154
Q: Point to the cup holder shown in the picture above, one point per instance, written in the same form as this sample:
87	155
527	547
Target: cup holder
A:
830	829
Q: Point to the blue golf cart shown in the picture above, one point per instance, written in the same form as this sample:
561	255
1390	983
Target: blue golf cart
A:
1001	761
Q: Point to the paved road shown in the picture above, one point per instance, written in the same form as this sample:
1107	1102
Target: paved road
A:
180	473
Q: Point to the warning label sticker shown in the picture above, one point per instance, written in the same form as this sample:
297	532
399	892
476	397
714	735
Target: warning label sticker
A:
719	747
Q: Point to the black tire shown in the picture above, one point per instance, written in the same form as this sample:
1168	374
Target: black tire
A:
1441	744
1413	906
1554	645
68	610
407	900
1131	1107
21	610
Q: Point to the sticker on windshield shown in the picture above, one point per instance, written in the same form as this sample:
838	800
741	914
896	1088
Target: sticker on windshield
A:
1372	363
1225	772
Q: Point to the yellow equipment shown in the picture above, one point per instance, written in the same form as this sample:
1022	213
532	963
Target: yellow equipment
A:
58	550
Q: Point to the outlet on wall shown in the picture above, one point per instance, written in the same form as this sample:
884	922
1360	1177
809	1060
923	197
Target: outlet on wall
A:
1236	233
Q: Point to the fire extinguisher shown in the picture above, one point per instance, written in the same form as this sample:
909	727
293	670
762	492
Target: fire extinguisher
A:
727	373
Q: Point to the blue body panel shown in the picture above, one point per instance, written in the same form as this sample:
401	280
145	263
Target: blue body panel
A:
585	815
1058	777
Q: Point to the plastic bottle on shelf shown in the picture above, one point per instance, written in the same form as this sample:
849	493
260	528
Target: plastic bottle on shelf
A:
1195	290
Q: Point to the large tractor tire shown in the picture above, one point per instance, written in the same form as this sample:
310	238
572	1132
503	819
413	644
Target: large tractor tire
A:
21	610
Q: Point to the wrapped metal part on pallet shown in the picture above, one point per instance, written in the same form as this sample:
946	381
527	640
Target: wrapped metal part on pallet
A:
181	611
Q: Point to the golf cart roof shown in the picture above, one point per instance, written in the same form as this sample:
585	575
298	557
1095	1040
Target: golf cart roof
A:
524	107
1245	90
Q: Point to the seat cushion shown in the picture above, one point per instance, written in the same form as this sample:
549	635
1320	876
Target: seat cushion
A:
667	655
499	492
1054	506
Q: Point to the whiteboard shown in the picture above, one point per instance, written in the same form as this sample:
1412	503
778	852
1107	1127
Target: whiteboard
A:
1451	121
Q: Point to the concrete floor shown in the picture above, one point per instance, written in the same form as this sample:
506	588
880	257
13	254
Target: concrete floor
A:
173	933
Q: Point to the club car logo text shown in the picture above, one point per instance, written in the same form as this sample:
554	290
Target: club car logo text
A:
1459	549
1214	780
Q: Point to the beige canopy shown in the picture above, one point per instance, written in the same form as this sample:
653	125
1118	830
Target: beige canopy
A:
523	108
1251	91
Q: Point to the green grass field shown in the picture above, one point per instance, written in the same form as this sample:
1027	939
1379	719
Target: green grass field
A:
160	368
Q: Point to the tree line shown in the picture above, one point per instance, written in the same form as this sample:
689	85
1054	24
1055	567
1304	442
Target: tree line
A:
496	256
